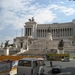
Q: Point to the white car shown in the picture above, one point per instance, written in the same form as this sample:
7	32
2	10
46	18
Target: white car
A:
65	60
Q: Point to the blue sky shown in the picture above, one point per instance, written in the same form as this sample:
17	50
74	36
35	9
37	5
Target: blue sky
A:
14	13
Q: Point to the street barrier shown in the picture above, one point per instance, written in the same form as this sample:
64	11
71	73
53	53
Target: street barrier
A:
5	68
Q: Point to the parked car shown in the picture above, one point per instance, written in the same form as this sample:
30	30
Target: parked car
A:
73	57
56	69
65	60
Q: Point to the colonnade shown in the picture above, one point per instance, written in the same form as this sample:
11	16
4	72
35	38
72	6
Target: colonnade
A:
28	31
63	32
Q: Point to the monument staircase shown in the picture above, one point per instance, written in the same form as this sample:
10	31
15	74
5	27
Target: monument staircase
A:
42	46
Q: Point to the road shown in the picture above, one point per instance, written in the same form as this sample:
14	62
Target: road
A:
68	68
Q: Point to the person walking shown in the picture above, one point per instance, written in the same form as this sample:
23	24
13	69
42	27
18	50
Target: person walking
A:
51	63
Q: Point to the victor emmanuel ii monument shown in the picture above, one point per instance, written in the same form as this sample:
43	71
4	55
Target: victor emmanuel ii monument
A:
46	37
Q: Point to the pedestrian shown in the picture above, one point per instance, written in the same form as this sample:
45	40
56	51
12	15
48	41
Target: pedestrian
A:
51	63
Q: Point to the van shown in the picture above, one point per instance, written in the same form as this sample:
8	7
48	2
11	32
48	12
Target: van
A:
28	66
41	64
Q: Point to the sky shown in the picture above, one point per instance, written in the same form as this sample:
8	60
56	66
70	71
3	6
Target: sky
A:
14	14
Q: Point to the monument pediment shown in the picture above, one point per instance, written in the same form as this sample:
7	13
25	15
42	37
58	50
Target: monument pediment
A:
30	22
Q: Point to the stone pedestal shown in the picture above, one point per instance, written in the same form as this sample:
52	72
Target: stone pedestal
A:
49	36
6	51
27	47
21	50
61	51
58	52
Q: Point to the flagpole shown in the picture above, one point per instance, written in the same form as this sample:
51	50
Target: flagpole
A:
58	32
22	32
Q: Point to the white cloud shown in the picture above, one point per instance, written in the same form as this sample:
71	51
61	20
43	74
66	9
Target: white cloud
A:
54	7
16	12
12	9
44	16
14	4
68	11
1	28
62	2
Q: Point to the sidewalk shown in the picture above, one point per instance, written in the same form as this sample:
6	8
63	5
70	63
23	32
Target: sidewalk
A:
72	59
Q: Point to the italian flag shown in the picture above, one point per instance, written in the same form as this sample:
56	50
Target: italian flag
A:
58	33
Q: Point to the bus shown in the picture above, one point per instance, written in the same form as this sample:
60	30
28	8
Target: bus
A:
56	56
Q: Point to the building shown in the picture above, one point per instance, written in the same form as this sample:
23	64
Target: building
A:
34	32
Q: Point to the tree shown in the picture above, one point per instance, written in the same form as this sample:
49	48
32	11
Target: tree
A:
11	45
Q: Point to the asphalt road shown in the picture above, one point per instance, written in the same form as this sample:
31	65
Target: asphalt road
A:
68	68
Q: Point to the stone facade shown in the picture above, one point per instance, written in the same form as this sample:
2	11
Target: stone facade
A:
34	32
65	30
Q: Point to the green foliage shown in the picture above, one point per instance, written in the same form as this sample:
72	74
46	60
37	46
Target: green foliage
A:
10	45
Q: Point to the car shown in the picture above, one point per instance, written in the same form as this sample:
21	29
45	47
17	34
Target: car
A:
65	60
56	69
73	57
